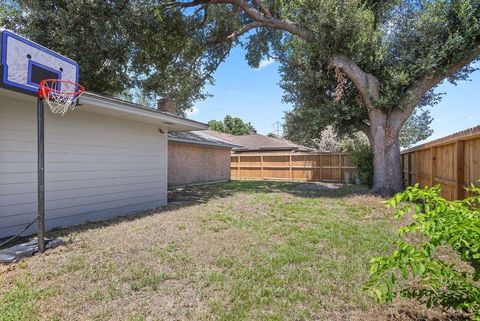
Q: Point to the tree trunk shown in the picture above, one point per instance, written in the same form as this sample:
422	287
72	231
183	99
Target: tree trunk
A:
387	171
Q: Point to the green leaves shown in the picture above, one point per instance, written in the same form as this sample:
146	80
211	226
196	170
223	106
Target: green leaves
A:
414	269
231	125
362	157
399	42
128	47
416	128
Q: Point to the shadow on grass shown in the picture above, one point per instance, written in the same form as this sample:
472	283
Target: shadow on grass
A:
193	195
203	193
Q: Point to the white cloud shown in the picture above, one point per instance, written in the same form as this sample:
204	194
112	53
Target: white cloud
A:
266	62
192	111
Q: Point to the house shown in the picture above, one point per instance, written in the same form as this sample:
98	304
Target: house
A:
198	157
106	158
256	143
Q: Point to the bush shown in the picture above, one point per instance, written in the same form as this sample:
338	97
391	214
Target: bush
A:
362	157
415	269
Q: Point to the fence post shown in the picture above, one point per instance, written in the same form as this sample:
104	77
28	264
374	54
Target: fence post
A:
409	173
432	166
290	166
261	166
340	166
417	170
459	170
319	162
238	168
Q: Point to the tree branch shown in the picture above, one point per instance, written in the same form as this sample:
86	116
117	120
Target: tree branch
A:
217	64
265	17
264	8
205	13
419	88
364	128
367	84
244	29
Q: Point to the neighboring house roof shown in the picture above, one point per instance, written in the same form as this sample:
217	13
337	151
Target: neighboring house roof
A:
203	137
257	142
272	135
226	137
241	143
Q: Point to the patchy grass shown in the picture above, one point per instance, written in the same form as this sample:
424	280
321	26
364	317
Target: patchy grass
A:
233	251
18	303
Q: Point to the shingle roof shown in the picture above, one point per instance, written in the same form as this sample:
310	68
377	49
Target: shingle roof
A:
257	142
242	143
201	137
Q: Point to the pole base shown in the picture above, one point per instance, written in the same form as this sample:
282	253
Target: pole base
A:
19	251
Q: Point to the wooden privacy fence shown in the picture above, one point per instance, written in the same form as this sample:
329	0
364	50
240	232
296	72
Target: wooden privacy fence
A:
326	167
451	161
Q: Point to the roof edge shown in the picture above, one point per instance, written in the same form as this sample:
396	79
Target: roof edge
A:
194	142
461	135
269	148
125	103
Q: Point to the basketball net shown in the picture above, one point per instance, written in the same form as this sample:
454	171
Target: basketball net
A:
60	95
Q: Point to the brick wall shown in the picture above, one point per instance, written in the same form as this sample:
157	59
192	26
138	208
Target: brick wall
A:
192	164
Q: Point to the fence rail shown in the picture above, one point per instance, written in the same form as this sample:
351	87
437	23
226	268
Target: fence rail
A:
325	167
451	161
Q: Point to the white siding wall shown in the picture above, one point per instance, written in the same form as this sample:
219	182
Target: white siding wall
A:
96	167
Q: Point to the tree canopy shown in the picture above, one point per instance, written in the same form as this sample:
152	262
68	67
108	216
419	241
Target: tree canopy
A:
125	46
231	125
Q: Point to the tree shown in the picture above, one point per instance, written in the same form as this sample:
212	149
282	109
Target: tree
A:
328	141
416	128
125	46
308	126
217	125
231	125
374	61
370	63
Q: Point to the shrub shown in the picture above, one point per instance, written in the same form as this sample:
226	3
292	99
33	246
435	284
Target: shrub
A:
362	157
415	269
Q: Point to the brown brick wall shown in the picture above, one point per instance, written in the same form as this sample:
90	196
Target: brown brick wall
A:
192	164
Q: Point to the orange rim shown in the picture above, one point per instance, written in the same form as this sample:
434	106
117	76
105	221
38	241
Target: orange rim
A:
44	90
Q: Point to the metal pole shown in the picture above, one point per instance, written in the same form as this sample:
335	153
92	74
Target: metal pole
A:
41	174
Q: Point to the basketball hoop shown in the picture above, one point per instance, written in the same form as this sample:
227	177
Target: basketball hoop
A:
60	95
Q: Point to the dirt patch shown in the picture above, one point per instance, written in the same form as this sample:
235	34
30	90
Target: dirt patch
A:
316	186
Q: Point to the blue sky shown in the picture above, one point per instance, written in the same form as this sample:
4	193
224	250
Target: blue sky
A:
255	96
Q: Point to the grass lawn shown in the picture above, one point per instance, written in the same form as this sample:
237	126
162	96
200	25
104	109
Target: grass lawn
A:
232	251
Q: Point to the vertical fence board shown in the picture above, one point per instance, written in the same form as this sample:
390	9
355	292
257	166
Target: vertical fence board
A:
330	167
459	167
451	162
